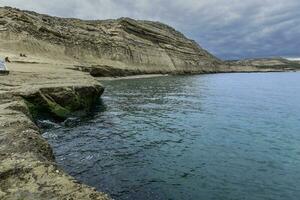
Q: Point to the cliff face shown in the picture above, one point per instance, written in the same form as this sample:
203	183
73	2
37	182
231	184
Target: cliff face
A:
127	44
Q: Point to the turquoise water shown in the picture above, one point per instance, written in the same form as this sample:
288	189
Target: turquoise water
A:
222	137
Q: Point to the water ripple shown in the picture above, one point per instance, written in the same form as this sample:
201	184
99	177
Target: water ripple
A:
225	136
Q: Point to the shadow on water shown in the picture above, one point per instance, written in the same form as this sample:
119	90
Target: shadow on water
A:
46	121
97	108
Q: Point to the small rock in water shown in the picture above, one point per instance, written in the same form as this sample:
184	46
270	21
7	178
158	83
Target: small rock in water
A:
47	124
72	121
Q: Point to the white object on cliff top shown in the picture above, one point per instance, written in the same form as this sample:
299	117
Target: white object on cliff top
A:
3	67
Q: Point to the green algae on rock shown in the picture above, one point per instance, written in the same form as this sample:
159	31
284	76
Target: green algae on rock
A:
62	102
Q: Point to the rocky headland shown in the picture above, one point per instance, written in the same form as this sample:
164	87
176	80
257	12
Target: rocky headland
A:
52	64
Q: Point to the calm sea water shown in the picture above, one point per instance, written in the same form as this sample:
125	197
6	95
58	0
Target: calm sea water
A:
222	137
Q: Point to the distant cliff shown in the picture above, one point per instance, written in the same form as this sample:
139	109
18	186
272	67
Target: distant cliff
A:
276	63
121	45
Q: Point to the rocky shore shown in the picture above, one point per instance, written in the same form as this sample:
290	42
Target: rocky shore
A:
52	64
27	165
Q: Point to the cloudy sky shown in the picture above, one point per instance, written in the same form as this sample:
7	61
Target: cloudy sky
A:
229	29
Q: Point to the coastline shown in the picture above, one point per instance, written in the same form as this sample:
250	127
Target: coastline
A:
131	77
27	166
142	76
56	66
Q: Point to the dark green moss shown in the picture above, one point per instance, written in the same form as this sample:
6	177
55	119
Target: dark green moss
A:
56	109
33	109
61	103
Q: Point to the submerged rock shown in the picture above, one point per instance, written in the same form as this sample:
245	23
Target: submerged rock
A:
71	121
47	124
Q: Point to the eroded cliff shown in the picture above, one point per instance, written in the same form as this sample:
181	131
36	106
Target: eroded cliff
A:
122	45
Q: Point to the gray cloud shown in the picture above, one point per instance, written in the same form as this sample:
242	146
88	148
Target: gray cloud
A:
228	28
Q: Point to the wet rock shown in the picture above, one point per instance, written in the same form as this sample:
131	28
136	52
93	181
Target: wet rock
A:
71	121
47	124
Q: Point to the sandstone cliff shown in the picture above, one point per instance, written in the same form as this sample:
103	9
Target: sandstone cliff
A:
122	46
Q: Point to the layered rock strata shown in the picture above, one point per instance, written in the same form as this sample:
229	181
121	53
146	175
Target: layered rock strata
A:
121	46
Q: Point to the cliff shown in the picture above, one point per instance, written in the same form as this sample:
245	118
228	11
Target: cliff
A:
112	46
44	51
276	63
47	56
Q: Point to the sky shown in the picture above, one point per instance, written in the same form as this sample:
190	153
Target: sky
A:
230	29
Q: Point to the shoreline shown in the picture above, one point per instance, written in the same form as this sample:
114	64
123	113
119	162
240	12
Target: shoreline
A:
143	76
51	70
131	77
27	160
27	165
